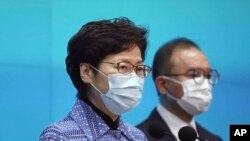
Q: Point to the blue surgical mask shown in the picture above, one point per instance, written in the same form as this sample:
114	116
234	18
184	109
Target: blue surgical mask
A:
124	94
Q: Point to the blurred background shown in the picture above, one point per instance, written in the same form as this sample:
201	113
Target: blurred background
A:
36	91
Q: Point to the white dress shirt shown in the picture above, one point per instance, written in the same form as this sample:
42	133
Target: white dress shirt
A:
174	123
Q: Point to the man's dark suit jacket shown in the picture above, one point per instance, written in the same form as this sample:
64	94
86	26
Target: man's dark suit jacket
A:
155	117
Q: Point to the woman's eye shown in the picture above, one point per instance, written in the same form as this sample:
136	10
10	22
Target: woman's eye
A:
123	67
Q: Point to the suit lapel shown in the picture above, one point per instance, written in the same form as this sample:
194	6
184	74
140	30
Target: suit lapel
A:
154	116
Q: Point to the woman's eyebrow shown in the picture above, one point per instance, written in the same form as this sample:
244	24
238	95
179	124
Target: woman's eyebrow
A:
129	61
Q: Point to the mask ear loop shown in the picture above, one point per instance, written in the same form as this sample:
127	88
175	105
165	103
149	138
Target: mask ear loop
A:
98	70
96	88
173	80
93	84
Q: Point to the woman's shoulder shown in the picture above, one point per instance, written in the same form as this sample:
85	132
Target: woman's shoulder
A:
52	132
135	132
60	130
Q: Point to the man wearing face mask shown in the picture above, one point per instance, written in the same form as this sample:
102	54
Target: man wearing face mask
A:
184	81
105	64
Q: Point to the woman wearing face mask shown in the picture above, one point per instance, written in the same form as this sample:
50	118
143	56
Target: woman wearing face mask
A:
184	81
105	64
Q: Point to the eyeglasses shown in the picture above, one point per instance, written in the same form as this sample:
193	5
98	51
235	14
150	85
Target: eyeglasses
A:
125	68
199	75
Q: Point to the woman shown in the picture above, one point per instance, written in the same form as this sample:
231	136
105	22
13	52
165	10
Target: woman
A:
105	64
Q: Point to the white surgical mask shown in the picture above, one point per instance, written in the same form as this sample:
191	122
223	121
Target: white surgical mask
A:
196	97
125	92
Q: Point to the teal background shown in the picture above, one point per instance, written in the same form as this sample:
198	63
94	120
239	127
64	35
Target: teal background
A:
36	91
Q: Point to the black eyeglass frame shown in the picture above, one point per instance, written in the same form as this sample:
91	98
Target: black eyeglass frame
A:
213	79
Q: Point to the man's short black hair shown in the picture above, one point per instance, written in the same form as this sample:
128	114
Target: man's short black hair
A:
162	60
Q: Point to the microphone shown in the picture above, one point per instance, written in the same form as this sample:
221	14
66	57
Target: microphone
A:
157	130
187	133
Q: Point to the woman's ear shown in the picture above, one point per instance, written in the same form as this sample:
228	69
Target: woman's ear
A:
161	85
86	73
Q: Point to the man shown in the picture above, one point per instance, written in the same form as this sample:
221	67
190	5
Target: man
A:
105	64
184	80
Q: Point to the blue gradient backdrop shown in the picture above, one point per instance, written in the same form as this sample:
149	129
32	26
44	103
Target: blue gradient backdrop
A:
36	91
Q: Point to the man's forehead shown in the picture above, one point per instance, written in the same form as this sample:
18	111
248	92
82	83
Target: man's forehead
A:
189	59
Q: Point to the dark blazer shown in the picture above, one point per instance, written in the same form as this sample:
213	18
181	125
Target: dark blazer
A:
154	116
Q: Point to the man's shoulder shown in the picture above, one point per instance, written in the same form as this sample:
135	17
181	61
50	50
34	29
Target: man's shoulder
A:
152	118
205	133
143	126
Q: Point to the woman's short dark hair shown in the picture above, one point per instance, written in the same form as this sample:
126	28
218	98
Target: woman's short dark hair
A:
95	40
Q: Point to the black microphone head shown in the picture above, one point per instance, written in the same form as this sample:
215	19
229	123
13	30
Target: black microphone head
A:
156	130
187	133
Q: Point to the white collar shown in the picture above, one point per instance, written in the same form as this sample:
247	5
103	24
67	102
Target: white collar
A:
174	123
